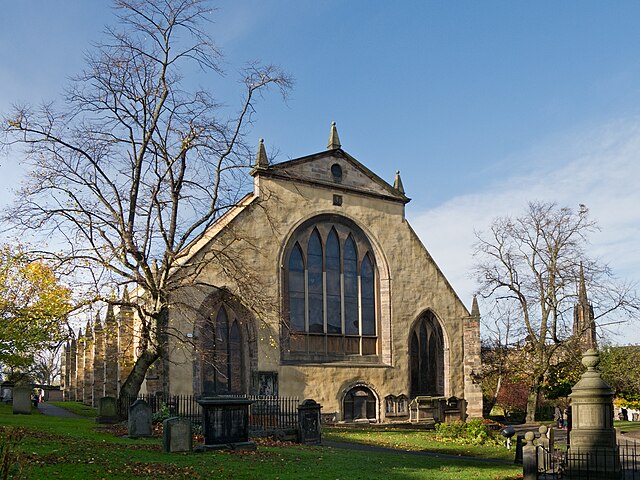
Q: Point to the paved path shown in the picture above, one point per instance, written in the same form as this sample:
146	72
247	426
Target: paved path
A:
376	449
47	408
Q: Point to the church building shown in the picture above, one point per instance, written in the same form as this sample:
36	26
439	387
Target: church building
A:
315	286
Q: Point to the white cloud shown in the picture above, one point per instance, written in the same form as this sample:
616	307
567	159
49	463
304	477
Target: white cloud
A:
598	167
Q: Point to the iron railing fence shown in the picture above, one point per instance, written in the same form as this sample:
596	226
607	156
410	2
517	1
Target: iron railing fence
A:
267	414
590	465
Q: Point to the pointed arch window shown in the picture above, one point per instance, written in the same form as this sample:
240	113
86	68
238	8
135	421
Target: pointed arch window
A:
426	357
330	291
222	356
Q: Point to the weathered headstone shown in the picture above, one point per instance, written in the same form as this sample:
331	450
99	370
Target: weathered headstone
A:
140	417
7	392
22	400
309	430
107	410
177	435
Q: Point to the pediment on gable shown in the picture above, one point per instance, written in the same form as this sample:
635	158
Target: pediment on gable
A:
335	169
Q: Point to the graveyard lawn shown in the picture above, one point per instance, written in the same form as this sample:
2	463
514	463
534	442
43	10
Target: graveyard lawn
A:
78	408
414	440
53	447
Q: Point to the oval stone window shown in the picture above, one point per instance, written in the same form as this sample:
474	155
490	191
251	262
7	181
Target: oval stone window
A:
336	171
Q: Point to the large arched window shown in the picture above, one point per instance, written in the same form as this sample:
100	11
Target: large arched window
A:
330	299
426	357
222	355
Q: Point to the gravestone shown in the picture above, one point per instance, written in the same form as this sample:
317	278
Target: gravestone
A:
139	419
309	430
22	400
107	410
177	435
7	392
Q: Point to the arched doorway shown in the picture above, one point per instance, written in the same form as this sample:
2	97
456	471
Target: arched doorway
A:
359	403
426	357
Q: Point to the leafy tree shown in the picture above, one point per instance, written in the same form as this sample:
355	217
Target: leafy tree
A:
532	265
138	163
33	309
620	369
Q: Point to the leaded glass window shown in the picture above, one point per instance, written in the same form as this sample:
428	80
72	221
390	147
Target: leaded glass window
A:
330	290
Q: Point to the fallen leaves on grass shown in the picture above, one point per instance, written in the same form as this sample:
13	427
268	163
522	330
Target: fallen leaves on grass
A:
159	470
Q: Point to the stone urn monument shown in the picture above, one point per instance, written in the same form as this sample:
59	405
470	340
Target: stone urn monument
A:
593	447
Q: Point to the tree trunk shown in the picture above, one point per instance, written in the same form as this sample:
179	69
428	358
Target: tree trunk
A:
490	402
132	384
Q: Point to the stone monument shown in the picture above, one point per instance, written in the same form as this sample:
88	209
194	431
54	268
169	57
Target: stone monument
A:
593	447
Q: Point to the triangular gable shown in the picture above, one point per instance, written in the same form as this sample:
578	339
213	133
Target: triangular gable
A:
322	169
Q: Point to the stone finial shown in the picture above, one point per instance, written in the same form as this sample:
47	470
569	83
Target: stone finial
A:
125	295
475	310
397	183
261	157
590	359
334	140
97	323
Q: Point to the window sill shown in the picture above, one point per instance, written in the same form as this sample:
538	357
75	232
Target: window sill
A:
333	361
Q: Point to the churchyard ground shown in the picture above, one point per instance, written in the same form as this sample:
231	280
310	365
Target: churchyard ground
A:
53	447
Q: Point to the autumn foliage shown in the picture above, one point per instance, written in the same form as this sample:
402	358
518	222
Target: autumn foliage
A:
33	307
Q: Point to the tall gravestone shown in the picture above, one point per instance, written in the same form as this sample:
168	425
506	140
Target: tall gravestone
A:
177	435
22	400
593	450
140	418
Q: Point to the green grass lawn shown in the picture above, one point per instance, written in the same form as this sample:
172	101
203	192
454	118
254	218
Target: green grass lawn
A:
627	427
78	408
415	440
77	449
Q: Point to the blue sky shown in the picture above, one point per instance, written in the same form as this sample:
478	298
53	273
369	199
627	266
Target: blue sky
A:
482	106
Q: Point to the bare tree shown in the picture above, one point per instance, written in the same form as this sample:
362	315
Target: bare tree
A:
533	264
136	165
